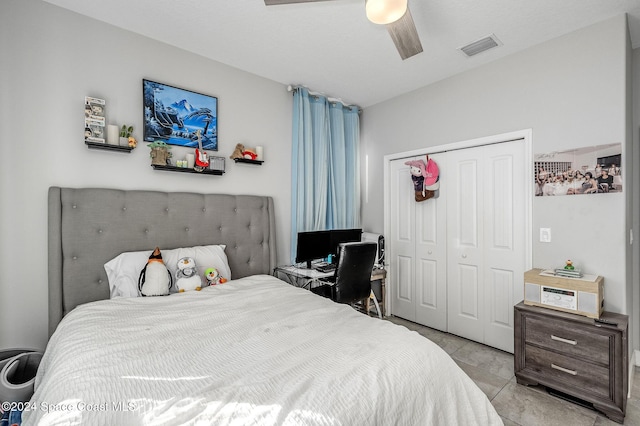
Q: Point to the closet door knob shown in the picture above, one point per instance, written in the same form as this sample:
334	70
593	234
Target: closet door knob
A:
464	256
430	252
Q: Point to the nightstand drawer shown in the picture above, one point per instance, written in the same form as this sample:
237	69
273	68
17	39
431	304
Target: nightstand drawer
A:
567	371
569	338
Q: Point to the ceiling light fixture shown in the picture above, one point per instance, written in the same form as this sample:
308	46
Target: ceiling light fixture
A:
385	11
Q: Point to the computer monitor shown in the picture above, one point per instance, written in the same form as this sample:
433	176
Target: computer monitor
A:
313	245
339	236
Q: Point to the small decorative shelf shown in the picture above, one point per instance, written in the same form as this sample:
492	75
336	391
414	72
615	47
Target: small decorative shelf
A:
248	161
108	147
187	170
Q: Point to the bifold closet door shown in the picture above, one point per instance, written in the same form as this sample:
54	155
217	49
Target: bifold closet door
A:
485	241
417	248
401	245
431	257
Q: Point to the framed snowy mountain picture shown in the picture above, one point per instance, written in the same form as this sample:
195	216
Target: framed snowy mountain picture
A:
175	115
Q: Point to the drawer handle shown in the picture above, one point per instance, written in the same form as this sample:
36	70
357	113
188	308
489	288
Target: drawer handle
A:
560	339
564	370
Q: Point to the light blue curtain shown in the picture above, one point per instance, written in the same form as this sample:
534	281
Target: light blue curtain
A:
325	165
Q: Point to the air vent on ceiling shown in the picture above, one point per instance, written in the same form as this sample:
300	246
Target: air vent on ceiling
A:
481	45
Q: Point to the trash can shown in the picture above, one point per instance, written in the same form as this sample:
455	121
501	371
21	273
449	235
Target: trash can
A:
18	368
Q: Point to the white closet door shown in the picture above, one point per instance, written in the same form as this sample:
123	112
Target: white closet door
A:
464	243
431	257
486	225
504	240
401	244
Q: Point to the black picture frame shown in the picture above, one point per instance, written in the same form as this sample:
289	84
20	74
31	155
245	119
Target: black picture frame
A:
174	115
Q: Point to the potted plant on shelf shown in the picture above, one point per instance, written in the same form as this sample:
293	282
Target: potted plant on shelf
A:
126	137
159	153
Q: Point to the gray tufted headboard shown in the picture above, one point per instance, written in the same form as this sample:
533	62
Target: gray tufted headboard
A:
90	226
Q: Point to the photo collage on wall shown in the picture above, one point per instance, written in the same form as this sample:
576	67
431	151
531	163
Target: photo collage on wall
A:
589	170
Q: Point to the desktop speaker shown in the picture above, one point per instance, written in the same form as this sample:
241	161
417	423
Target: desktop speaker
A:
532	292
379	240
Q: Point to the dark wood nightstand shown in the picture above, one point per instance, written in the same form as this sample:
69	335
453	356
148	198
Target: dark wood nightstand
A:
574	355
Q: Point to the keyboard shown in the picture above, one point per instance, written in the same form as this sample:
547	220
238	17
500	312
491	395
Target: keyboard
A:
329	267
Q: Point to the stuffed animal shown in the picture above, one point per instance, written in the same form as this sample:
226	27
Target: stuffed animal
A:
418	172
237	153
155	279
213	276
187	277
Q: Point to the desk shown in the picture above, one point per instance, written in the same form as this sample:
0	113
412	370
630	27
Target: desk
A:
300	277
378	281
309	278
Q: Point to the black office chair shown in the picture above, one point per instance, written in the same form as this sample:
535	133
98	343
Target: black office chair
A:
351	281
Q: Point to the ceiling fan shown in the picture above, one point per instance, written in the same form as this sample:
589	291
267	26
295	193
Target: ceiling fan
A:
394	14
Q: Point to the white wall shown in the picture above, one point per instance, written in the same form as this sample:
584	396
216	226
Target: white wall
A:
50	59
635	258
572	92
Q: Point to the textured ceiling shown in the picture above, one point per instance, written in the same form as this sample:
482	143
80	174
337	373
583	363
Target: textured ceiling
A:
330	46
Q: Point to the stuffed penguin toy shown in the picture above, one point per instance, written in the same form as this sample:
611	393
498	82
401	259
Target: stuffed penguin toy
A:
213	277
187	277
155	279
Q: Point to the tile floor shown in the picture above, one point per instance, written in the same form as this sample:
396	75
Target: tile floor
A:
492	370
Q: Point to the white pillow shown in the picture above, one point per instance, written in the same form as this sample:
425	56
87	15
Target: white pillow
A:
124	270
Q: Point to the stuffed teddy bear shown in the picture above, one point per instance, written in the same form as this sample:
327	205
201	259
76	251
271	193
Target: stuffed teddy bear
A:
155	279
187	277
213	276
418	172
237	153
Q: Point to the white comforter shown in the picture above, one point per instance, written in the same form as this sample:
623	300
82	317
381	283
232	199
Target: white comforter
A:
253	351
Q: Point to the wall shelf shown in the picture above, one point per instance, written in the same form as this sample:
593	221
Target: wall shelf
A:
247	161
108	147
187	170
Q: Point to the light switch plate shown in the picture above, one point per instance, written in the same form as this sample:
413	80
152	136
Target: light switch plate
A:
545	235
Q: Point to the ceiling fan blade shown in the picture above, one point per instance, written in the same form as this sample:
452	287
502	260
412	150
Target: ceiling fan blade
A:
405	36
276	2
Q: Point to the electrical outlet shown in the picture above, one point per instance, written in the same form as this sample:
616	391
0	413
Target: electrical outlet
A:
545	235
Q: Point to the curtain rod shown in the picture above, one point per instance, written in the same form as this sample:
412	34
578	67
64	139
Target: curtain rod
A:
291	88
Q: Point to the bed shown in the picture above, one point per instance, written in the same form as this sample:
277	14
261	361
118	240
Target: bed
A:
253	350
